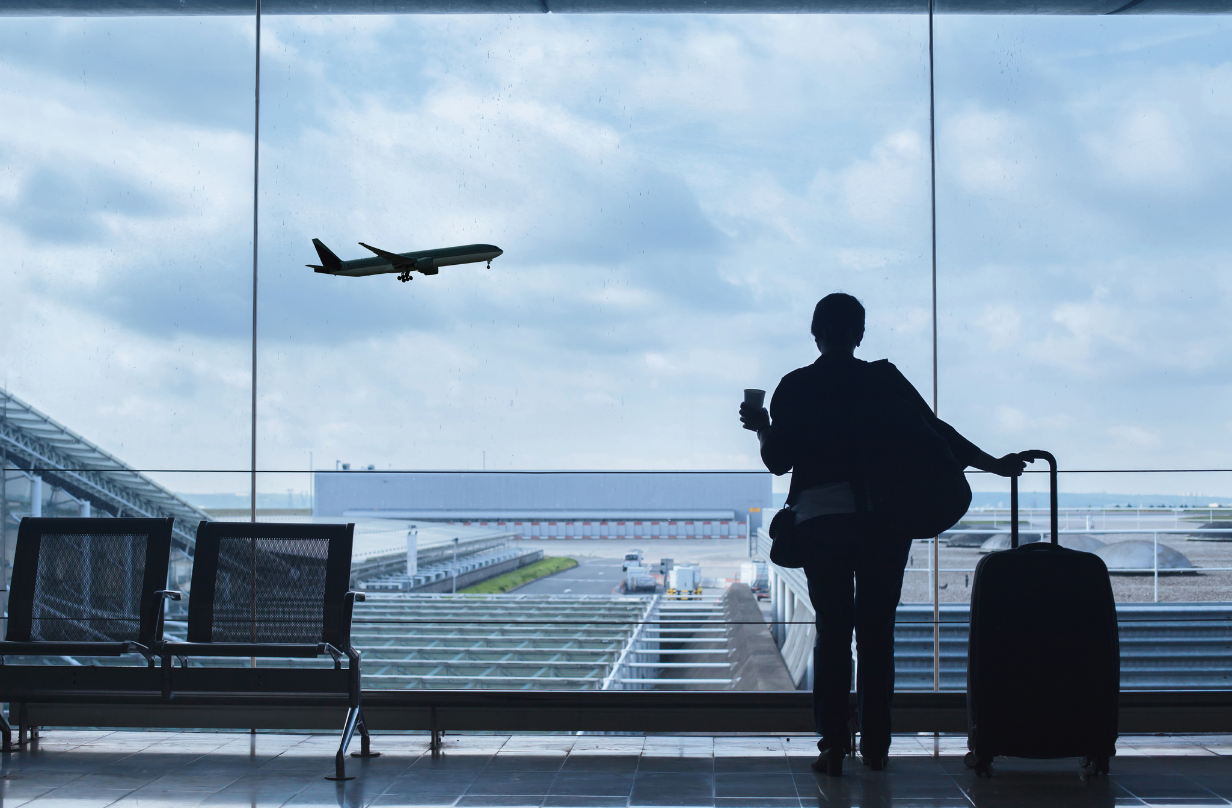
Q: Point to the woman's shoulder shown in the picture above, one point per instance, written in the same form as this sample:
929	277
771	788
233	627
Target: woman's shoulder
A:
884	367
797	377
796	387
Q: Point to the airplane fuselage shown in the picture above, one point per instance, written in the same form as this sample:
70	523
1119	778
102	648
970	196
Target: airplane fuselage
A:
424	261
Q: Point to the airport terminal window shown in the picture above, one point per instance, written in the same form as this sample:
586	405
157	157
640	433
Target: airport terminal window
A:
670	195
125	151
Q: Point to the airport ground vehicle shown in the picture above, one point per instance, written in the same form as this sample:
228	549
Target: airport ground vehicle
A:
684	579
639	579
633	558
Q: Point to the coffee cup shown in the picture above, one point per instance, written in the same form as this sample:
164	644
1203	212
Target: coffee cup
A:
755	398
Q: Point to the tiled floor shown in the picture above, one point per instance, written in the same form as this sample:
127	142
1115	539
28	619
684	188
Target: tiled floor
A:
76	769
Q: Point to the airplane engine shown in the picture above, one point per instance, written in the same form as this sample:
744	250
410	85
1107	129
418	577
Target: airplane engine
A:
426	266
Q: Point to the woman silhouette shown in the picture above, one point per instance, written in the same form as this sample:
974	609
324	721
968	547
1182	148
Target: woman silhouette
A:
855	579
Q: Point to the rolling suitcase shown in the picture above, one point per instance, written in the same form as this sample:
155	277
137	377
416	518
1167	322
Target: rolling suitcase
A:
1043	659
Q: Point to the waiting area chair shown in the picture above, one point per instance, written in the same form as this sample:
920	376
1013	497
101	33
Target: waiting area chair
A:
96	588
267	591
84	588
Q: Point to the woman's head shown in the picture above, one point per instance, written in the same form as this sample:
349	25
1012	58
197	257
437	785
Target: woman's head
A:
838	323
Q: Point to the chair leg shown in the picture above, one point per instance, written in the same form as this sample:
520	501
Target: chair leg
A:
348	732
6	732
21	725
365	750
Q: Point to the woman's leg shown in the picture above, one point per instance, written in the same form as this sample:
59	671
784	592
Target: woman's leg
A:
879	585
830	574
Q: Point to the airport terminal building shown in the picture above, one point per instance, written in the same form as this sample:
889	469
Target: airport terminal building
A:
566	504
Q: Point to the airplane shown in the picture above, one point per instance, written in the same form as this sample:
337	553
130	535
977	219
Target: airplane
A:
427	262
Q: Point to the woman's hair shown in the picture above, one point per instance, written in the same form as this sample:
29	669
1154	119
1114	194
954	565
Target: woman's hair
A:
838	314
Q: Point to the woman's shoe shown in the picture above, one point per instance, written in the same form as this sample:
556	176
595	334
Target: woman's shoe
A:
877	761
829	762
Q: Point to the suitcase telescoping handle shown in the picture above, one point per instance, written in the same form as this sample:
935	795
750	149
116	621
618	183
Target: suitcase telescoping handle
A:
1030	456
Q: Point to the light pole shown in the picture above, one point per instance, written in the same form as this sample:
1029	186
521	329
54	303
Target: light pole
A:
455	565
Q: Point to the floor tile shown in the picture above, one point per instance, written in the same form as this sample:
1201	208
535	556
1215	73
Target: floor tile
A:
1164	786
593	784
691	765
601	763
777	764
754	785
672	789
609	743
418	782
511	783
209	770
517	762
400	801
1220	785
569	801
445	762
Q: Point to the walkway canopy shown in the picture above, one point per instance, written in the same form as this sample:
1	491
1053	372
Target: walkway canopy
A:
35	443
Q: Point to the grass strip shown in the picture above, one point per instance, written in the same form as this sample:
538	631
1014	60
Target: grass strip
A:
521	576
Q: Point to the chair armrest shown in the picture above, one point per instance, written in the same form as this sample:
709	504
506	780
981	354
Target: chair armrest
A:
348	611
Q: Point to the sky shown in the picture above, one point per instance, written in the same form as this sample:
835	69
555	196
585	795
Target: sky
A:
673	195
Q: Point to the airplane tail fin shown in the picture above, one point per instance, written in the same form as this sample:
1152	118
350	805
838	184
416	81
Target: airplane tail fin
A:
332	262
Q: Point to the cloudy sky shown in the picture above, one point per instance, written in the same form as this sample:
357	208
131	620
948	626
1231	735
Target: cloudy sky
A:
673	194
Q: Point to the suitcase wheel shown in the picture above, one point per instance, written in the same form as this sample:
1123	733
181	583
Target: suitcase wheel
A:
982	766
1096	764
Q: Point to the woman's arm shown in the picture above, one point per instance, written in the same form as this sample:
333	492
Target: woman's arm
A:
773	430
964	450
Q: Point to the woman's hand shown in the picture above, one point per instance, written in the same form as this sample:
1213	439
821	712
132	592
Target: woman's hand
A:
1009	466
754	419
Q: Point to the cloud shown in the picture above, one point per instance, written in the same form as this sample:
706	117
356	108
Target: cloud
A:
673	195
1145	147
1003	325
1135	437
879	191
56	206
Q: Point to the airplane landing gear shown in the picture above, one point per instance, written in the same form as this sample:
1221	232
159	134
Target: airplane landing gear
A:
404	275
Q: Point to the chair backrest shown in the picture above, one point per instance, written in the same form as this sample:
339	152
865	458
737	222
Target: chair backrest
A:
270	583
88	580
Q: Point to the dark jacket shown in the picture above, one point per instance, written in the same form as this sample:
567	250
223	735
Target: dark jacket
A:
811	432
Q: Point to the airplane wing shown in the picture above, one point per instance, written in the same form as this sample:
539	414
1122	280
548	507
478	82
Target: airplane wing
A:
393	258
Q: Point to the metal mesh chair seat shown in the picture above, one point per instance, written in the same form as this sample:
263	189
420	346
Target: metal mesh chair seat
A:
92	585
260	584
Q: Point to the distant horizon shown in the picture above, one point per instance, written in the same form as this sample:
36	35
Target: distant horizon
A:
1096	499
